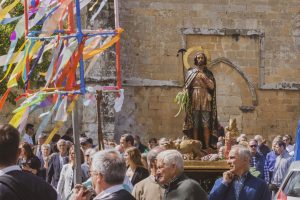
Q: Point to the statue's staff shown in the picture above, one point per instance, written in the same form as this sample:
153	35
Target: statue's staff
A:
182	52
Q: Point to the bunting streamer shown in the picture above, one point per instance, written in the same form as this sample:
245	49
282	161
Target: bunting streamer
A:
297	143
98	11
60	123
64	77
3	12
15	121
3	98
46	118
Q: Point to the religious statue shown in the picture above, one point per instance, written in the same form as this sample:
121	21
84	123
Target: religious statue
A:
201	111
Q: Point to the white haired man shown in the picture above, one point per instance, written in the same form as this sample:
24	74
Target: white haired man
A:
238	183
149	189
107	171
56	162
170	174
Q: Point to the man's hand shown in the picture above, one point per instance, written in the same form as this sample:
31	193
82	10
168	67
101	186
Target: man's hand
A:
228	177
80	192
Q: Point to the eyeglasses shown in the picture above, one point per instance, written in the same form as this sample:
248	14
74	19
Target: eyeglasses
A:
253	146
93	172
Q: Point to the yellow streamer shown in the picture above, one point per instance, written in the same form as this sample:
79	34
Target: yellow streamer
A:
8	8
17	118
12	82
22	64
59	124
104	47
13	60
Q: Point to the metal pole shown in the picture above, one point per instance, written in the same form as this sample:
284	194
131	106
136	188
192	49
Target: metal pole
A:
116	6
77	167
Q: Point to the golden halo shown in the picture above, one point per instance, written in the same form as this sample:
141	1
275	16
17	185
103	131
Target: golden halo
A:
190	54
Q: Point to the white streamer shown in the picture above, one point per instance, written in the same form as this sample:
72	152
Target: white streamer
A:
98	11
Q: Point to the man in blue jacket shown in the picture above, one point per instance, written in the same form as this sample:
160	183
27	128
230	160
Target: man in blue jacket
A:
238	183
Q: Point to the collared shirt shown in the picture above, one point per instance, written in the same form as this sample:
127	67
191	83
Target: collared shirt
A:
266	173
109	191
253	162
38	152
61	161
282	164
269	165
27	138
290	149
258	162
270	160
238	184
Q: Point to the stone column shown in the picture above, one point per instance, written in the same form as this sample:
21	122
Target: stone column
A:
103	73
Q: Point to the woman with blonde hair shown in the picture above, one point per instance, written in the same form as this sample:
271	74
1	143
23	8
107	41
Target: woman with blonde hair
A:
66	179
136	170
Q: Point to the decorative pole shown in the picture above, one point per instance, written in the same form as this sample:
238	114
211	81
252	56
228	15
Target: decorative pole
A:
75	122
79	38
26	34
100	132
118	46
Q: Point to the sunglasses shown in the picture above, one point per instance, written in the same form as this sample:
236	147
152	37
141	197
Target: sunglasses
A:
253	146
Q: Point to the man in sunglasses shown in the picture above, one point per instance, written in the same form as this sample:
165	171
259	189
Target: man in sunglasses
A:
257	161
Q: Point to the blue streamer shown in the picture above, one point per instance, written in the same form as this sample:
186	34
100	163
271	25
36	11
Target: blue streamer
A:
79	38
41	22
9	20
12	47
297	145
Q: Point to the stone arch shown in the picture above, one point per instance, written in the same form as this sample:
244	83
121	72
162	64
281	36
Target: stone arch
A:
243	75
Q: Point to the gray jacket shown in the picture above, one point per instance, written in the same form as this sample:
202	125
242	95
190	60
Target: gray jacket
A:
184	188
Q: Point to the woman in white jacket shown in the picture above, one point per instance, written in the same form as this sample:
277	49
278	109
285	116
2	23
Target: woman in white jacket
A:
66	179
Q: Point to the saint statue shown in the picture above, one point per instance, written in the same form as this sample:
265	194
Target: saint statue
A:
201	112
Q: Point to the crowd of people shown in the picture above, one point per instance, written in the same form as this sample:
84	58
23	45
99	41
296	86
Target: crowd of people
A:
132	170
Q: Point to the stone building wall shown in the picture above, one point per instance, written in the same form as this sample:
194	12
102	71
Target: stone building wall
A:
254	47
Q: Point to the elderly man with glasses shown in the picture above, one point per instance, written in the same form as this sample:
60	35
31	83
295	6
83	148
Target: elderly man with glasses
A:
107	173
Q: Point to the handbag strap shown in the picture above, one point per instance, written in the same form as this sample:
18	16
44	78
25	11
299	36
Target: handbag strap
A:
15	187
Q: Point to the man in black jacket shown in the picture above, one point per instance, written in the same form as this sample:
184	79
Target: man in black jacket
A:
107	172
14	183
